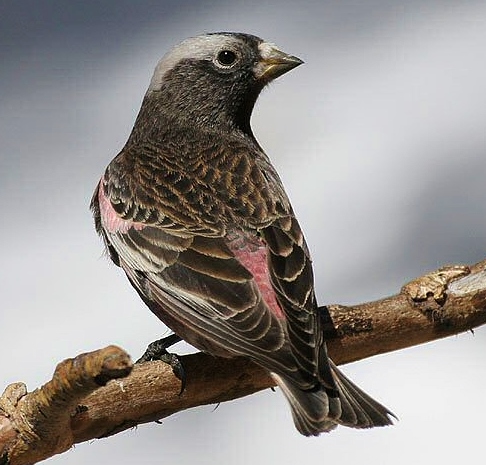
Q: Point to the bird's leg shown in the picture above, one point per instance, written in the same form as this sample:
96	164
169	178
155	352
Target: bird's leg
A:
157	350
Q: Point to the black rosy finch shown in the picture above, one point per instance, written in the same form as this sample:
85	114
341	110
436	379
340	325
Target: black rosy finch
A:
195	214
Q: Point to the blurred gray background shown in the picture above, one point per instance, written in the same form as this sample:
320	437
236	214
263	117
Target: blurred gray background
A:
380	140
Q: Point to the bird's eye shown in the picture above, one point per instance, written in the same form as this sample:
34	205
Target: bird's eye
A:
226	58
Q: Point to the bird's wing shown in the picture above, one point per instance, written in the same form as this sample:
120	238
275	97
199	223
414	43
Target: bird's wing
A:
197	286
189	266
291	274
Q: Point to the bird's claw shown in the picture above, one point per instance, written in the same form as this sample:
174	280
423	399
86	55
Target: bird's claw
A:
157	350
177	368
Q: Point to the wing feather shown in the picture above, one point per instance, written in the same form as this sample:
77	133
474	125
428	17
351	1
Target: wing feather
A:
195	284
292	277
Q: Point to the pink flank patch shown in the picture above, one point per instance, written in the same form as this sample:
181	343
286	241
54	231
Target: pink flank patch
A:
253	256
109	217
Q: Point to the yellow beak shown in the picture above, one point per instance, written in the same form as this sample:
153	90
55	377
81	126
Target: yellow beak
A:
273	62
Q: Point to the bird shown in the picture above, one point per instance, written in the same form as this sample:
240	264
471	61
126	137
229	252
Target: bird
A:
195	214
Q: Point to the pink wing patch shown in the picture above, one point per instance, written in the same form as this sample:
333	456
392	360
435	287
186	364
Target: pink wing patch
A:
110	219
252	254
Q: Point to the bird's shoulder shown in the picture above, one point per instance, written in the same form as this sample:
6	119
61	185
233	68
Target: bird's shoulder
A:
206	180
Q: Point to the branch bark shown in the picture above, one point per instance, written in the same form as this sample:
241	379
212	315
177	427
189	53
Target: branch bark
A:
101	393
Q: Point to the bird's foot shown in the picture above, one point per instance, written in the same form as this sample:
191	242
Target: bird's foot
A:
157	350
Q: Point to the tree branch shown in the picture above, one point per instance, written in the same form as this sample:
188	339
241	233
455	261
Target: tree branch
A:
101	393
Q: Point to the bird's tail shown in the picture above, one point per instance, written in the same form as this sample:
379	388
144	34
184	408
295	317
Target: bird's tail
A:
321	409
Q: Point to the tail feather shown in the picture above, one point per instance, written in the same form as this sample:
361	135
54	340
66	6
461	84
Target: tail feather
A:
368	411
310	410
321	409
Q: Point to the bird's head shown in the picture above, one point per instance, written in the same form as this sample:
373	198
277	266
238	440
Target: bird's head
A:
214	79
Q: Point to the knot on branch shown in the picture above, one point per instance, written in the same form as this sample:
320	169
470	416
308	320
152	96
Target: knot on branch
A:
36	425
